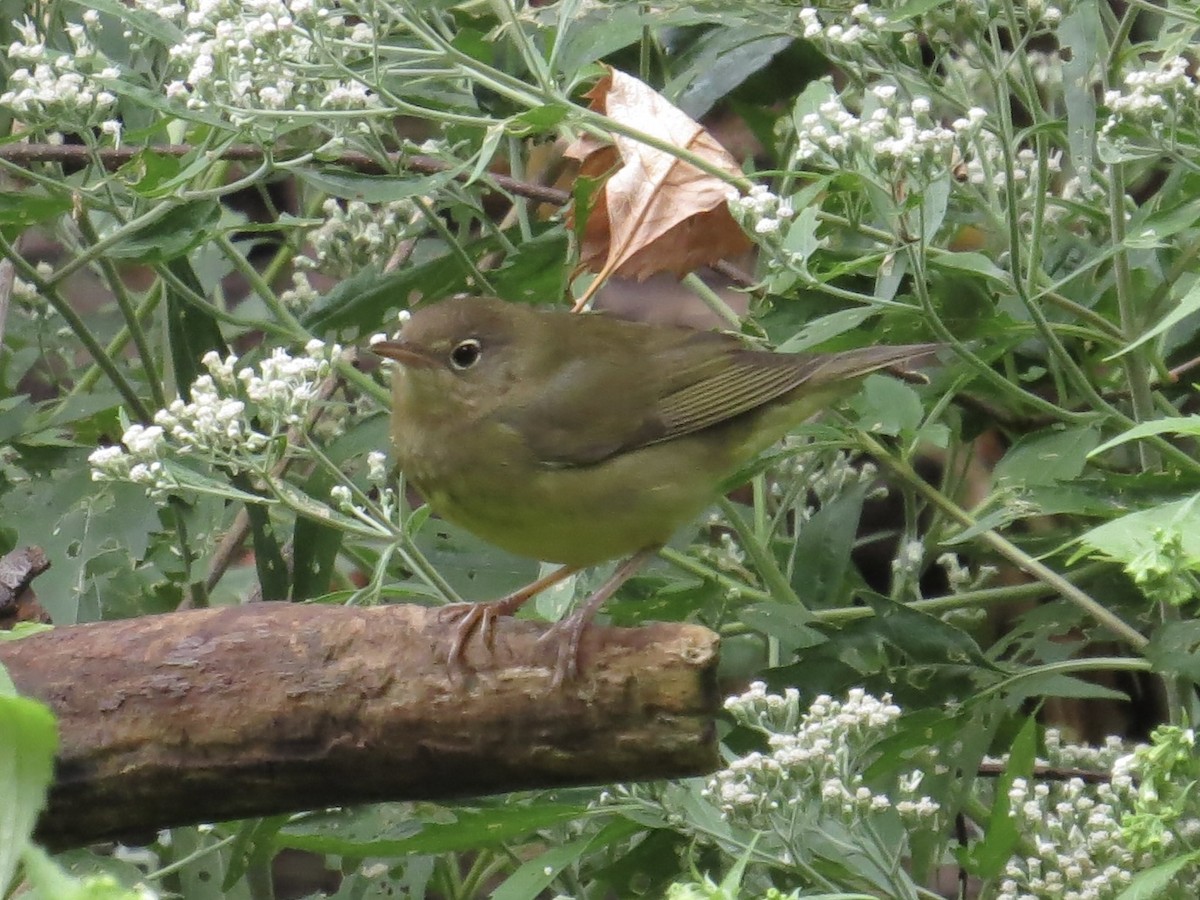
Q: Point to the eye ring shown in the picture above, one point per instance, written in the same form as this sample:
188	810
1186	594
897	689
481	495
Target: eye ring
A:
465	354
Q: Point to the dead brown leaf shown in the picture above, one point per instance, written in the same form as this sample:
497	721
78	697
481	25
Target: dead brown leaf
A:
655	213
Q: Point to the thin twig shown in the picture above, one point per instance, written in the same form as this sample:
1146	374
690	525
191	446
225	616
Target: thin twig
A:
114	157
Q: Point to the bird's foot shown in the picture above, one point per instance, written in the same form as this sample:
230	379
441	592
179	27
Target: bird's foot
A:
567	637
568	632
481	617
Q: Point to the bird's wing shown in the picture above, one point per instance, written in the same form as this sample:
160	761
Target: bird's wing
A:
685	383
747	379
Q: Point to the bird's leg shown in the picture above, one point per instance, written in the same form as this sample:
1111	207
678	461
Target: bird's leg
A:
569	631
482	616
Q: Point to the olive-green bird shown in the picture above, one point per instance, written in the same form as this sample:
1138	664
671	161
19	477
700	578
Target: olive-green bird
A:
582	438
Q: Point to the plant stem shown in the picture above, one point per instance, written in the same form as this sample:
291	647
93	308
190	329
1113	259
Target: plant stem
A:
1006	548
760	555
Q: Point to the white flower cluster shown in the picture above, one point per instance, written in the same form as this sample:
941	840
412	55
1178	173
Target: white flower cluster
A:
232	415
861	26
1159	97
896	139
1076	832
301	295
61	90
960	578
1083	756
762	210
245	56
816	760
866	30
358	234
1089	841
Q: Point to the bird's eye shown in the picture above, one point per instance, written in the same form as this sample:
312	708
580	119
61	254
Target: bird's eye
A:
465	354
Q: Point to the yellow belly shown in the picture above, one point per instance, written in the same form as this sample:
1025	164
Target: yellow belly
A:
578	515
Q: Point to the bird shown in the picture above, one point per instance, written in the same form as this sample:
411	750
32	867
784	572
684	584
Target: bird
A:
580	438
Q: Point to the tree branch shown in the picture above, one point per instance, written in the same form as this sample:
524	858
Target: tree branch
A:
216	714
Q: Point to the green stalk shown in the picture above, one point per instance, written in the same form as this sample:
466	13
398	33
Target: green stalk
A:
1006	548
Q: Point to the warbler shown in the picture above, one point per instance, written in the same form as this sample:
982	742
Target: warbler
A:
580	438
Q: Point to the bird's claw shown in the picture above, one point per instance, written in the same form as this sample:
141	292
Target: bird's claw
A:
568	634
470	617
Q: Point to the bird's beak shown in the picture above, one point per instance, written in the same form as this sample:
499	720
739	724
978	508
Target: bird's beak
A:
403	353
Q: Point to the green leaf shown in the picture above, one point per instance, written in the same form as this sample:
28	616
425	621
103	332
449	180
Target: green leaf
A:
315	544
149	23
191	480
1188	305
1153	882
28	739
1048	457
1189	425
888	406
374	188
185	227
535	875
50	881
1175	648
24	208
467	830
1054	684
537	120
535	272
827	327
253	845
1081	35
77	522
204	867
1139	534
192	330
988	857
820	556
720	61
787	623
905	12
369	301
269	563
974	263
922	638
